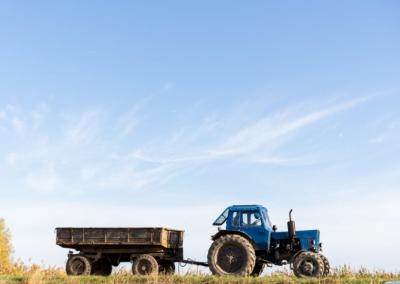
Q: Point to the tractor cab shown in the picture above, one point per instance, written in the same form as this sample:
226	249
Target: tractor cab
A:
251	221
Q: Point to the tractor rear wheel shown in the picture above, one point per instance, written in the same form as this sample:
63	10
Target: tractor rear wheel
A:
145	264
308	264
78	265
102	267
327	266
231	255
258	269
166	267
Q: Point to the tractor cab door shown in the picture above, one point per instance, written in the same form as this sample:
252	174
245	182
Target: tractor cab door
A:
253	224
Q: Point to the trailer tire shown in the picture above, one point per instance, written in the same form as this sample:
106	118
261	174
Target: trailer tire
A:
145	264
78	265
308	264
258	269
327	266
166	267
102	267
231	255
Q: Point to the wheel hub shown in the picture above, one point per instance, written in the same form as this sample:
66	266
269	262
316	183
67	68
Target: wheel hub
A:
308	267
78	266
145	267
229	258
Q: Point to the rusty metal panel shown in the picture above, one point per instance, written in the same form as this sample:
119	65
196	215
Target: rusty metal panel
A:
120	236
164	238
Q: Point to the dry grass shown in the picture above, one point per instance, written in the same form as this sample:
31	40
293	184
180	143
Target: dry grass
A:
5	247
36	275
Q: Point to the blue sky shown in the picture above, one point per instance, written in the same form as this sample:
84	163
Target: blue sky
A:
165	112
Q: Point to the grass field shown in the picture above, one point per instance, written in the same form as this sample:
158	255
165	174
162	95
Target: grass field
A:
36	275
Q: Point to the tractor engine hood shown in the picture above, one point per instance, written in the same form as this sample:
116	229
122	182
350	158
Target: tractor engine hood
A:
309	239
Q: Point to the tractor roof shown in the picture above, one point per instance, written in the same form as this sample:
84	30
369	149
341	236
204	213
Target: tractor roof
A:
247	207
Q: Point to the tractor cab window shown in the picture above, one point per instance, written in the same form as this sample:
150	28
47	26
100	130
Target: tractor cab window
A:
222	218
251	219
266	218
235	219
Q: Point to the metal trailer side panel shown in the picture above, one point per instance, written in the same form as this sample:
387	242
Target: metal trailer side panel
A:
119	237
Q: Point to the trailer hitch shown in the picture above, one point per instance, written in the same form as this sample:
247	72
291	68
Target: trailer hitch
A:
190	261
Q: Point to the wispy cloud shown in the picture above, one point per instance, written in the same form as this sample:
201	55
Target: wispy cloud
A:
104	165
83	130
268	129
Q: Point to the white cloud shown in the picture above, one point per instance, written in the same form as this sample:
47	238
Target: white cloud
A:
128	178
256	143
18	125
127	122
3	115
102	168
84	129
20	121
276	160
270	128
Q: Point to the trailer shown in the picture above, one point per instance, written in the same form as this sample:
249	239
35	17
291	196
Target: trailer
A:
150	250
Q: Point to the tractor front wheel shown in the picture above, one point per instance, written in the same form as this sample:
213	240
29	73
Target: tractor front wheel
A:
308	264
327	266
231	255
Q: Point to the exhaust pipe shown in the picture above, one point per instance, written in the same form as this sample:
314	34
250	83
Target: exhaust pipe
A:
291	226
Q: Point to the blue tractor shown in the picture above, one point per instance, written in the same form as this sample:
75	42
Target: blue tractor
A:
250	242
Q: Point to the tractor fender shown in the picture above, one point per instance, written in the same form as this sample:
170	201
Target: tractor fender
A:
228	232
295	255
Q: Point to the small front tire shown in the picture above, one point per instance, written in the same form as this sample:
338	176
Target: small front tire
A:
327	266
308	264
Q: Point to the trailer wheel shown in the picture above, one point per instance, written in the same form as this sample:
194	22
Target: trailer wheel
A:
166	267
145	264
231	255
102	267
78	265
308	264
327	266
258	269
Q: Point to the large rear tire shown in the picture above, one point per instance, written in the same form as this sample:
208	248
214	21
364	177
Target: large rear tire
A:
102	267
327	267
145	264
78	265
231	255
308	264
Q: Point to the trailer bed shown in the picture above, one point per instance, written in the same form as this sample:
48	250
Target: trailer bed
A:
131	237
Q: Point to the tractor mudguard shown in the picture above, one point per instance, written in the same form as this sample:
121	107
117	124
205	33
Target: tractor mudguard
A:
228	232
294	256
